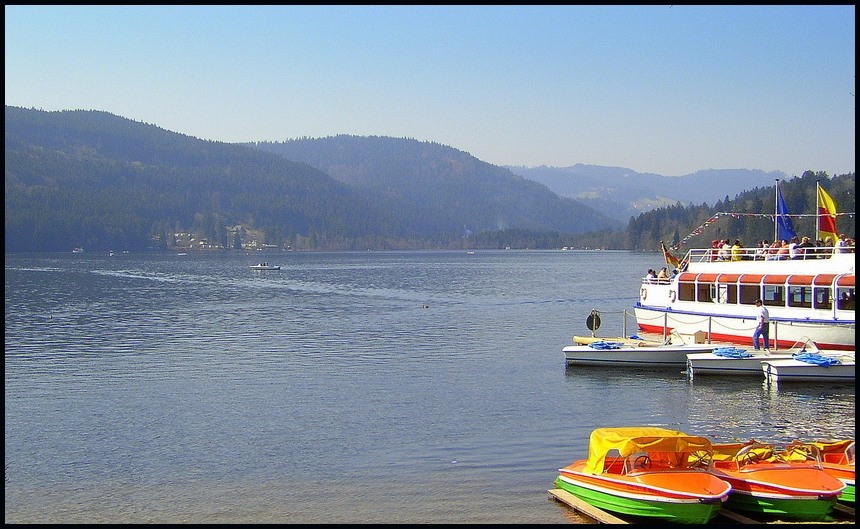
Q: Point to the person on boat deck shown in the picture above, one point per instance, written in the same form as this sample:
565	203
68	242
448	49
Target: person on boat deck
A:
761	250
737	252
793	252
762	326
802	248
841	244
725	253
651	276
713	253
772	251
663	275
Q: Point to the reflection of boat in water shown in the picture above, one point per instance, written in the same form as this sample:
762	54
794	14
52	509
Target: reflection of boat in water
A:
265	266
803	297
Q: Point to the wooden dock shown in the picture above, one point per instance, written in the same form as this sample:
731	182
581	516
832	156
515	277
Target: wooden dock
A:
591	511
841	513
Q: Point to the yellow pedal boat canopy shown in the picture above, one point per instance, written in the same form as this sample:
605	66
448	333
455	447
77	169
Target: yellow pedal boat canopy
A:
633	439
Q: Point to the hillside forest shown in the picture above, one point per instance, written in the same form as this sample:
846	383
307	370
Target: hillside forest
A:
93	180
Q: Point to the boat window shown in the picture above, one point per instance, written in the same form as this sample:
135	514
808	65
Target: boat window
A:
774	295
723	293
687	291
845	298
800	296
704	292
730	292
750	293
822	298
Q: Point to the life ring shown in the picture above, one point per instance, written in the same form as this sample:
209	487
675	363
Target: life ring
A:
643	293
672	296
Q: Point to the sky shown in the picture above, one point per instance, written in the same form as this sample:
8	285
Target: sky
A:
668	89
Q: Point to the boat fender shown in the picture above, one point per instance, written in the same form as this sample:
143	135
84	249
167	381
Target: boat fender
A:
643	293
672	296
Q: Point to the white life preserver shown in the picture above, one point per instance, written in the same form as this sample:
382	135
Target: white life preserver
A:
643	293
672	296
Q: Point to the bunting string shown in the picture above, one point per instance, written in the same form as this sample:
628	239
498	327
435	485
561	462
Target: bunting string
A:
719	214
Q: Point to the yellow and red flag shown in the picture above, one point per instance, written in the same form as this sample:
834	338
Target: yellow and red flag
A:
670	258
826	216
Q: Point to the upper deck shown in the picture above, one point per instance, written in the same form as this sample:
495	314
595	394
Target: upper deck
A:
817	260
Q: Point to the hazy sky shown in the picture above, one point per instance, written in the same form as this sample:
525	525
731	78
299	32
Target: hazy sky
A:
663	89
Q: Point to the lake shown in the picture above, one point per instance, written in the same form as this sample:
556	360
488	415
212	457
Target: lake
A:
349	387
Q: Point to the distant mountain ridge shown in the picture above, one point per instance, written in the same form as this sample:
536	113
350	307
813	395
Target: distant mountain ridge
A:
446	189
623	193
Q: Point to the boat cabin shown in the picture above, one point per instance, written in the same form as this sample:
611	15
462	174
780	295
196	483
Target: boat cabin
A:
776	290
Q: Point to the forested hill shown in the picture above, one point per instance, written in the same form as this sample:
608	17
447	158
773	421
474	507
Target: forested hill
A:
99	181
445	189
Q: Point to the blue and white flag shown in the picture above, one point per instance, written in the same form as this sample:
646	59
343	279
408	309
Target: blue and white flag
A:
785	230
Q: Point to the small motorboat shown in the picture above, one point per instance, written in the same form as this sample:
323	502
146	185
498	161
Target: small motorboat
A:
647	472
837	459
730	360
784	481
811	367
631	353
265	266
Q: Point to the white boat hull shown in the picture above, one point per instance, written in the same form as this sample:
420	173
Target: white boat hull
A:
699	364
658	356
792	370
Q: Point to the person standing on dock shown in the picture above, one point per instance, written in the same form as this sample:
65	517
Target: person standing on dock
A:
762	326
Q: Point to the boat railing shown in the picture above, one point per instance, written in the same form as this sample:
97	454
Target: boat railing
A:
804	345
656	281
707	255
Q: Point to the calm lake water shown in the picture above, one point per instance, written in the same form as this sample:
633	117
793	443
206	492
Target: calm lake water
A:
401	387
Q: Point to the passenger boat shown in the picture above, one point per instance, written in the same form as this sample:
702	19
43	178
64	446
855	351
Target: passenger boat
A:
811	367
646	472
265	266
784	481
837	459
803	298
